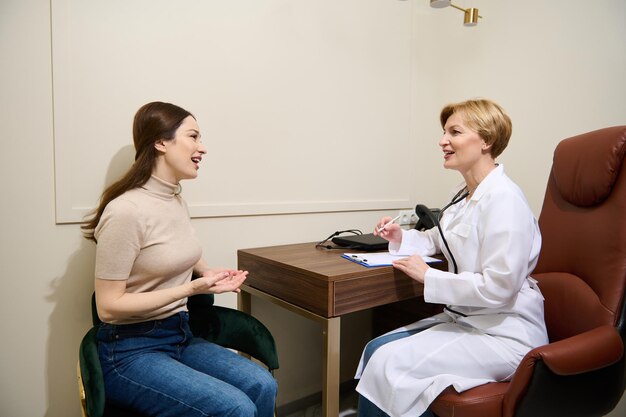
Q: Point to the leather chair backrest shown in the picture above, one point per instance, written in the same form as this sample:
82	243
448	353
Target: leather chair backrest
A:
582	265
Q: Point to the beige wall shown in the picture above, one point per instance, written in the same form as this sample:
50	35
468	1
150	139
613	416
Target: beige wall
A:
559	71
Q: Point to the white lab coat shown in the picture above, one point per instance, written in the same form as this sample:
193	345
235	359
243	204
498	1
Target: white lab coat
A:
495	240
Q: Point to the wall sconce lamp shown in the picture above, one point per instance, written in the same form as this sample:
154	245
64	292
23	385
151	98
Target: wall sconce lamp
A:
471	14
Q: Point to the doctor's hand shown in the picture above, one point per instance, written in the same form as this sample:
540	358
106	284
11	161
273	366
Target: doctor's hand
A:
414	266
392	232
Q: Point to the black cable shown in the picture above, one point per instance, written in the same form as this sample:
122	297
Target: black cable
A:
337	233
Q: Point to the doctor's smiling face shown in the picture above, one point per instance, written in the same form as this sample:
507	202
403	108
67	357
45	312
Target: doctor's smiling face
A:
462	146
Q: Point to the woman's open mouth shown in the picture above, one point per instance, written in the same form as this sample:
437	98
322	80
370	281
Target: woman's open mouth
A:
447	154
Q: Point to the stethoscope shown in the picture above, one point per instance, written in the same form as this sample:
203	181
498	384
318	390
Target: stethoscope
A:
463	193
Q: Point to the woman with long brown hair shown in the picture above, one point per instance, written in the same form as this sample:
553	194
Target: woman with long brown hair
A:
146	255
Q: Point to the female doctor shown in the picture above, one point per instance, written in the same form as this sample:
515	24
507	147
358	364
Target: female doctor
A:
494	310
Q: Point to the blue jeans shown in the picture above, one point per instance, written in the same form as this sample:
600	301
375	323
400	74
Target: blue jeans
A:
366	408
159	368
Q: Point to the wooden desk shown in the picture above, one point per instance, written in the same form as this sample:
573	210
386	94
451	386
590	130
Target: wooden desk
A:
320	285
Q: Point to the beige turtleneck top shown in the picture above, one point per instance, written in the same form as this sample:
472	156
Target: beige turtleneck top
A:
145	237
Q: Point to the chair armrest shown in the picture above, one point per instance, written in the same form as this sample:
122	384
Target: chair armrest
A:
586	352
91	374
236	330
243	332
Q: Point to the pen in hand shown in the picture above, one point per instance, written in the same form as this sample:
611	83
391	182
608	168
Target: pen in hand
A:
380	229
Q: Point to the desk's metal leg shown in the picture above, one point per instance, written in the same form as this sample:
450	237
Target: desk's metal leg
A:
332	335
244	302
330	391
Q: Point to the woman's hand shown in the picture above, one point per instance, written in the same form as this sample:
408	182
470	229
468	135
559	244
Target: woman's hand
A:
114	303
217	281
391	232
414	266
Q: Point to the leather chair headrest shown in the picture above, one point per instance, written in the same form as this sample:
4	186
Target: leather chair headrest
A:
585	170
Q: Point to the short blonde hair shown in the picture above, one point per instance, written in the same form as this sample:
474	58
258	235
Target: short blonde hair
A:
486	118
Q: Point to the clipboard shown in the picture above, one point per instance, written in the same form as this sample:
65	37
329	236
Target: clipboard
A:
372	260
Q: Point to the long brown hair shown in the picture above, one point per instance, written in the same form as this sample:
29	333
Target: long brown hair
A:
153	121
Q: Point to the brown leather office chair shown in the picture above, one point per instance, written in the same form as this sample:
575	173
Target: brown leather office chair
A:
582	275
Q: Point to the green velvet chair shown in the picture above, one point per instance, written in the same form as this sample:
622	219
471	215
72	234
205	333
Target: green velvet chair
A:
226	327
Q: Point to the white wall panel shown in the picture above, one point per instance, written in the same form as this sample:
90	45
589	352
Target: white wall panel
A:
299	102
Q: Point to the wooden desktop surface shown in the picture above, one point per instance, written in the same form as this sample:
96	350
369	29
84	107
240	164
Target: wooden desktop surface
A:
321	281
